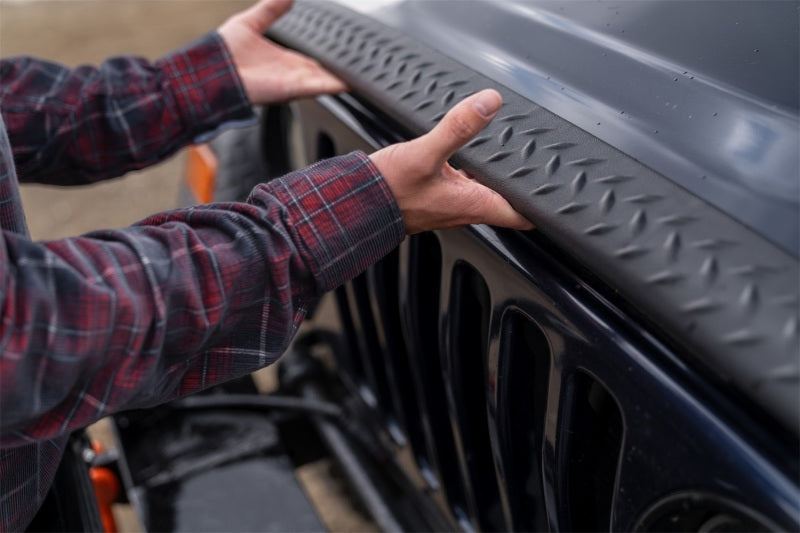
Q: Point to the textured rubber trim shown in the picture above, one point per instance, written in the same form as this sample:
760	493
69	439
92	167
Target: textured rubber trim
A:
717	288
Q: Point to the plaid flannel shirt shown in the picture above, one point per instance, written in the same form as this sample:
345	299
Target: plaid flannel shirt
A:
182	300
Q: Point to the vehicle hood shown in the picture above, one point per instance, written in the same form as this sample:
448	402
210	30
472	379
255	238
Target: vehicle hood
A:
705	93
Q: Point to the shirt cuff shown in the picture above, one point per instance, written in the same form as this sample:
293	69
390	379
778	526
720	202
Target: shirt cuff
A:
342	213
206	86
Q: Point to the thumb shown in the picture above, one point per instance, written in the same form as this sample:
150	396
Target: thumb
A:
261	15
463	122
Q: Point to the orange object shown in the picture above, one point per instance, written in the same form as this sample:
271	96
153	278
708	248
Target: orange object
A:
201	172
106	489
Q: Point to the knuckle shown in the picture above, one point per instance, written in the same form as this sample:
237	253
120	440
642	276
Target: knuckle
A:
484	205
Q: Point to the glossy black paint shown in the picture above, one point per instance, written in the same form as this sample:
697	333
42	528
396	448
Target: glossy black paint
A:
672	437
705	93
587	366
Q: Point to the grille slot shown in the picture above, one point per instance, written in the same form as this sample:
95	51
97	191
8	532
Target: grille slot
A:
383	284
466	362
523	375
349	358
371	352
420	322
591	441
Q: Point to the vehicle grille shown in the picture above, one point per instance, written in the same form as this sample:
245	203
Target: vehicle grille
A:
531	397
521	414
419	350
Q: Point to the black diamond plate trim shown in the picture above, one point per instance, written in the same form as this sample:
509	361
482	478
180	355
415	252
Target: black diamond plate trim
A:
713	284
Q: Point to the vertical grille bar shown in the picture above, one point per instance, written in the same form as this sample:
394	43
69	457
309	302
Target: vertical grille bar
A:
371	353
420	318
465	368
349	358
383	285
367	385
590	439
523	377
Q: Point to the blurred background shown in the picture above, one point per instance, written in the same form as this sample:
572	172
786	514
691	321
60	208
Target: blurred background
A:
74	32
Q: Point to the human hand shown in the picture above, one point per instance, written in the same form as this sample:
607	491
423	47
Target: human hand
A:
269	72
432	194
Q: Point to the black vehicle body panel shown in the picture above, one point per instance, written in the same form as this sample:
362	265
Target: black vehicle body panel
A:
536	400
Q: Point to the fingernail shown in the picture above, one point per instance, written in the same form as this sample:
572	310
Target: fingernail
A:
487	103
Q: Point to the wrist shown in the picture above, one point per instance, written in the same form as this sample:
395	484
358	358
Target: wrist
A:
205	85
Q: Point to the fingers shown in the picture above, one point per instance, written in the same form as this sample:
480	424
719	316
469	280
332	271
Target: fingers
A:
465	120
319	82
314	80
496	211
261	15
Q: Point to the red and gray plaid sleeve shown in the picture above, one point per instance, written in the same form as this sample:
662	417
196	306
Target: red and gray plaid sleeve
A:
70	126
181	301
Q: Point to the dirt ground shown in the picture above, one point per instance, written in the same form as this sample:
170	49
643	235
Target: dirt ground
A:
74	32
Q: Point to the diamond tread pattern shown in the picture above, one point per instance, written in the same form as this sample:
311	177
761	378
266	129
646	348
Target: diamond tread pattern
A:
717	288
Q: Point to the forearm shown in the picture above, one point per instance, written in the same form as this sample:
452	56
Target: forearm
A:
185	300
69	126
